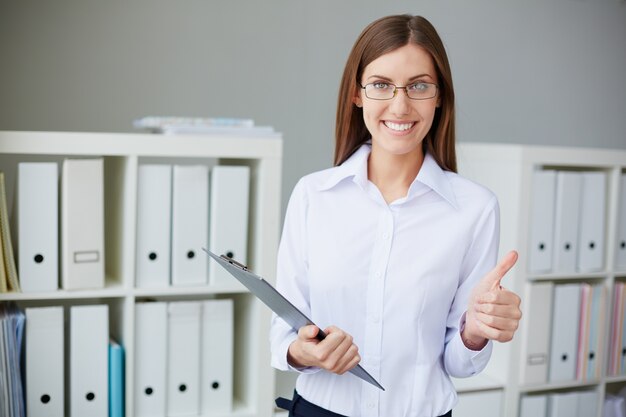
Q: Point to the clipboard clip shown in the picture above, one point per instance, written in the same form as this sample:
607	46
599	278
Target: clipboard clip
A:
234	262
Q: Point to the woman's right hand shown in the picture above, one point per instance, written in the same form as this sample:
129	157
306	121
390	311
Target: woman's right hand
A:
336	353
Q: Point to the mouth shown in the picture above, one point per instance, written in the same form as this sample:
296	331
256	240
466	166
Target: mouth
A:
399	127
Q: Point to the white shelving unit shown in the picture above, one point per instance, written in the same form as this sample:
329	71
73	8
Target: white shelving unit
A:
122	154
507	170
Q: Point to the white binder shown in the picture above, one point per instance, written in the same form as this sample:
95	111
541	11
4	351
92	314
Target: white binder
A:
536	351
596	326
150	359
154	200
82	224
568	189
563	404
533	406
44	362
217	357
483	404
592	222
621	231
183	348
38	226
564	344
190	213
542	221
228	227
587	404
89	361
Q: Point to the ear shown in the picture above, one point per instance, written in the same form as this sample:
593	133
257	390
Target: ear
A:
357	100
438	102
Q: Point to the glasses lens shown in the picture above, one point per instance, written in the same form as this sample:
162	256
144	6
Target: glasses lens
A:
379	91
421	91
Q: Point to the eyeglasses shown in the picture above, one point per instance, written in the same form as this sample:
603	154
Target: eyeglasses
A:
387	91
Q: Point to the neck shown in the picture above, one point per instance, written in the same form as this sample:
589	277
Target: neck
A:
393	174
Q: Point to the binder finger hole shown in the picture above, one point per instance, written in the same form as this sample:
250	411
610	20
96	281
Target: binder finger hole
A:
622	244
38	258
564	357
215	385
191	254
568	246
592	245
90	396
152	256
230	255
182	387
542	246
148	391
45	399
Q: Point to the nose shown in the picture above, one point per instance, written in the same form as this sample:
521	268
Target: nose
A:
400	104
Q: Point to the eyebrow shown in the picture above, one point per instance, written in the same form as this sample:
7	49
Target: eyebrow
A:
415	77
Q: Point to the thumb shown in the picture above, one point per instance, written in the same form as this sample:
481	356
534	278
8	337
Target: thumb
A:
494	277
308	332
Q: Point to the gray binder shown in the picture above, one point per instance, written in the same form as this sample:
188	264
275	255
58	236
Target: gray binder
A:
265	292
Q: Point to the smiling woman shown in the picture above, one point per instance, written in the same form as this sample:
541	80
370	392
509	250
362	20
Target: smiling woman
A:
391	251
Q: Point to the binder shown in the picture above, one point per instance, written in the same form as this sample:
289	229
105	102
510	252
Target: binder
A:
89	361
116	379
150	359
542	221
596	326
621	231
534	367
217	357
190	205
563	404
584	329
82	224
617	317
592	221
483	404
154	208
587	404
44	362
38	226
228	226
533	406
564	332
567	216
183	364
8	268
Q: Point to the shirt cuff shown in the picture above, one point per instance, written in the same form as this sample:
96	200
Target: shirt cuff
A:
478	358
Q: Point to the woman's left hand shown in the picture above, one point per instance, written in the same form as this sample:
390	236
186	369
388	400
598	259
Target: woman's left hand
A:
493	312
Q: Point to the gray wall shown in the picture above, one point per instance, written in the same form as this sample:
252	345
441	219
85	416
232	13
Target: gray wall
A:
526	71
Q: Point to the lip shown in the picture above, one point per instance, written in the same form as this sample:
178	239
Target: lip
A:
396	132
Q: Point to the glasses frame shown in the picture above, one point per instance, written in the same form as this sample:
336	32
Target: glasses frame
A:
396	88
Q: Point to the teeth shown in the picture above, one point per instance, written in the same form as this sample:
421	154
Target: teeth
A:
398	126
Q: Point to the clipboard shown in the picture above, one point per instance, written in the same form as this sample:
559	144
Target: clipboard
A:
265	292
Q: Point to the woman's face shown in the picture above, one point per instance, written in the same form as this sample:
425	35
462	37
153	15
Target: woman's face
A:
399	125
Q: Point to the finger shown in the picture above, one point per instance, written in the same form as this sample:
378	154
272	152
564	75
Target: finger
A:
308	332
494	277
498	323
504	297
499	310
494	334
345	363
337	354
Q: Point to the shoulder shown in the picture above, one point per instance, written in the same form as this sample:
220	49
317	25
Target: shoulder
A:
470	194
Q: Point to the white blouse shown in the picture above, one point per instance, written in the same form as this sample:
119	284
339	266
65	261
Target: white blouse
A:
397	277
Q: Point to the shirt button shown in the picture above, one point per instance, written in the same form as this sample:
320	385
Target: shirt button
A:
379	274
371	405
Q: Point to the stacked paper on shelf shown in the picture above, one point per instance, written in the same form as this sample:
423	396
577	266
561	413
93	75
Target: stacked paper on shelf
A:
11	336
8	269
202	126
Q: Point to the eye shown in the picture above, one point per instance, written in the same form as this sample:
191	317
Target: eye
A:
380	86
419	87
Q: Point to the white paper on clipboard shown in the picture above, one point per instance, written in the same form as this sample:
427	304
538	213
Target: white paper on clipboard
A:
265	292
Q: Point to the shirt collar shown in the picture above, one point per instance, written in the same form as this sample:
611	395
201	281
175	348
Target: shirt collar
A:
430	175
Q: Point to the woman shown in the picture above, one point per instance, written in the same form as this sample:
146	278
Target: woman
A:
391	251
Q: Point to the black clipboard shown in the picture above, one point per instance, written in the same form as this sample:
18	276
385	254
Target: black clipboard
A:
265	292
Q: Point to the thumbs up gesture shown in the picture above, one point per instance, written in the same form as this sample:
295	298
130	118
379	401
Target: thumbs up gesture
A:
493	311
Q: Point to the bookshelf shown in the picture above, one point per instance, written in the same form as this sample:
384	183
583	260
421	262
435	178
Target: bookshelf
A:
122	154
508	170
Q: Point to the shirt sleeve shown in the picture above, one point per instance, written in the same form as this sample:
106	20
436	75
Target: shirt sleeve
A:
479	259
291	277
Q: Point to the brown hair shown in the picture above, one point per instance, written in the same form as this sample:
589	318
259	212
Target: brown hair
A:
378	38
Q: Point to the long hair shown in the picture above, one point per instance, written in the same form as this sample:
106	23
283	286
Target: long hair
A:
378	38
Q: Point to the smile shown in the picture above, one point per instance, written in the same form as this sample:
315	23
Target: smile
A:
399	127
